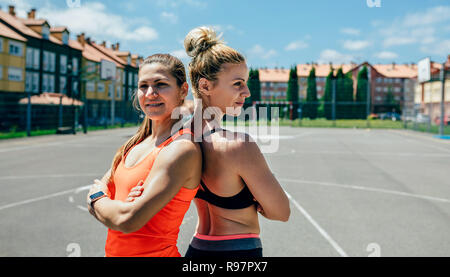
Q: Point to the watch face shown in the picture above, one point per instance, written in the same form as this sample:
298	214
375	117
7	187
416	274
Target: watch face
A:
96	195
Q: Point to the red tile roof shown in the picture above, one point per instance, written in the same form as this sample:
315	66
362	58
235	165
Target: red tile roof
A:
18	24
396	70
273	75
51	98
9	33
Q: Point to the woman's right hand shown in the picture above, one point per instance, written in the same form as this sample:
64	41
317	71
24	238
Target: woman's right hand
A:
135	192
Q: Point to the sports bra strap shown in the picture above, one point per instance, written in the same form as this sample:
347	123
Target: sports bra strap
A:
175	136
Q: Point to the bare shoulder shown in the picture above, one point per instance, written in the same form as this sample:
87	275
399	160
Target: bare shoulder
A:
182	148
242	145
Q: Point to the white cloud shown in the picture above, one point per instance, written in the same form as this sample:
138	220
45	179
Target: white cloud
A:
22	7
258	51
169	17
350	31
295	45
416	28
178	3
442	48
93	19
431	16
386	55
356	45
398	40
333	56
181	54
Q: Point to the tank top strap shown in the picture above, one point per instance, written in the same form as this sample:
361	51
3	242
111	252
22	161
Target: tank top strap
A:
175	136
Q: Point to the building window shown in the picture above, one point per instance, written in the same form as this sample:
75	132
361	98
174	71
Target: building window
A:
91	67
46	62
110	90
74	66
35	88
1	72
63	85
75	88
90	86
15	74
29	58
63	64
100	87
118	92
15	49
29	82
130	78
65	38
36	59
45	32
1	44
52	62
45	83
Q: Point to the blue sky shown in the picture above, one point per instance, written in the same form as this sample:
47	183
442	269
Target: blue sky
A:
269	33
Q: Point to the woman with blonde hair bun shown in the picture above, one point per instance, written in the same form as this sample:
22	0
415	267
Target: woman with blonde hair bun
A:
236	181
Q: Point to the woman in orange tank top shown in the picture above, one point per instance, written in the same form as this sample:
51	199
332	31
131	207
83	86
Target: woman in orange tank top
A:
160	157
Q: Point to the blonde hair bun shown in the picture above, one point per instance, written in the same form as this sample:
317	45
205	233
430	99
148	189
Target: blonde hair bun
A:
200	40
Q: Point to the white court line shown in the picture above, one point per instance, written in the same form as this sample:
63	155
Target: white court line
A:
369	189
12	205
317	226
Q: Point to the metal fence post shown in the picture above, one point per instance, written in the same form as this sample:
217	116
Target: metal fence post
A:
29	114
333	103
441	125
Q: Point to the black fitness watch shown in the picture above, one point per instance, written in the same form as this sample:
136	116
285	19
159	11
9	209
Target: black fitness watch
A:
96	196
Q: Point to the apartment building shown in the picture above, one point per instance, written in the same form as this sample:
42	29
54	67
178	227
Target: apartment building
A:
12	60
127	79
51	57
12	72
396	81
428	96
274	83
99	93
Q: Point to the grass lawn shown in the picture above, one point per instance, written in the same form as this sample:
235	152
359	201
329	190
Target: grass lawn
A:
21	134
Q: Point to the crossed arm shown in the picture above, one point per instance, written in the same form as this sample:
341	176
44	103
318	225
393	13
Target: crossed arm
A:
177	165
252	167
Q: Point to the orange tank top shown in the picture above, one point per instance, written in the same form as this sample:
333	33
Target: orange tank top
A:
157	238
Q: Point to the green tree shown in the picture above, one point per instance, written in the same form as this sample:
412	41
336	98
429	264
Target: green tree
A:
344	95
254	85
349	99
390	103
328	94
361	93
292	91
310	107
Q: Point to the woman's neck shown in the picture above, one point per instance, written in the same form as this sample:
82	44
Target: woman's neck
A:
212	118
161	130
